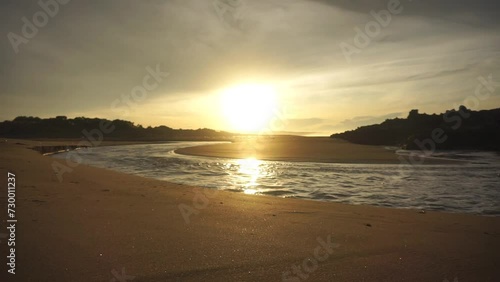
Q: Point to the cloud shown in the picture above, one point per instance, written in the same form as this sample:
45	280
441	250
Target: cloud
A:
92	52
305	122
482	13
320	126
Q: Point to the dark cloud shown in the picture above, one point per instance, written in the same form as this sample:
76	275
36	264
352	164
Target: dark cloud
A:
481	13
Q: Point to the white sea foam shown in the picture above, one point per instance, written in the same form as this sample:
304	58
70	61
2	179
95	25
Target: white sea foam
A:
469	188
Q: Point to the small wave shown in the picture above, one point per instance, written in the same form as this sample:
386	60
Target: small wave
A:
471	188
277	192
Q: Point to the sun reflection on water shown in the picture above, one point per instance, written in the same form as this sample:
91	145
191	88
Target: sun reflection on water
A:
250	191
250	171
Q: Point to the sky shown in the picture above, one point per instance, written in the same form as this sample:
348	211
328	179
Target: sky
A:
333	65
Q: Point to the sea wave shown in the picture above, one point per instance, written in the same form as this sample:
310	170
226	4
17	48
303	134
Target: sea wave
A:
472	187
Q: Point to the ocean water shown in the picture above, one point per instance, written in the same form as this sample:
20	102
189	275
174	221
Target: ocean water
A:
471	187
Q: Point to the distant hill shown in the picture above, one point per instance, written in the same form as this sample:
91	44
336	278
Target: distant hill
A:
453	130
82	127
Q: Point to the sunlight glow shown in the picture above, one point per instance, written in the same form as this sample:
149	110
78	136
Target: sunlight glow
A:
249	107
250	168
250	191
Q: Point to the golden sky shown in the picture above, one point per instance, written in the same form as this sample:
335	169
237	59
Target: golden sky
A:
321	66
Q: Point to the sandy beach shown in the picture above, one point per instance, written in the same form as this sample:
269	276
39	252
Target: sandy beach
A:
304	149
101	225
295	148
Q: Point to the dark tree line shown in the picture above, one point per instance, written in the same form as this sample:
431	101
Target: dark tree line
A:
455	129
63	127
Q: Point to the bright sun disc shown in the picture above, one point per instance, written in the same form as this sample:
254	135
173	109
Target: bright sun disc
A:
250	107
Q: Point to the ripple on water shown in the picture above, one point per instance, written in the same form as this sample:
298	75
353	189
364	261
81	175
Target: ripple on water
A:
277	192
470	188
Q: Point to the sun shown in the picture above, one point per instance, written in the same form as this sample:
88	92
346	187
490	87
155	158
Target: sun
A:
249	107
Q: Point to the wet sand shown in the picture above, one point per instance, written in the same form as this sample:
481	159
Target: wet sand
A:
296	148
97	223
306	149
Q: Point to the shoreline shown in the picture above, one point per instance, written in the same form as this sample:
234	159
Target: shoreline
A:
309	149
55	146
465	210
188	151
96	221
428	160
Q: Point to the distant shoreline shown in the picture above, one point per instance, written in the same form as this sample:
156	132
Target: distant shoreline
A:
306	149
55	146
